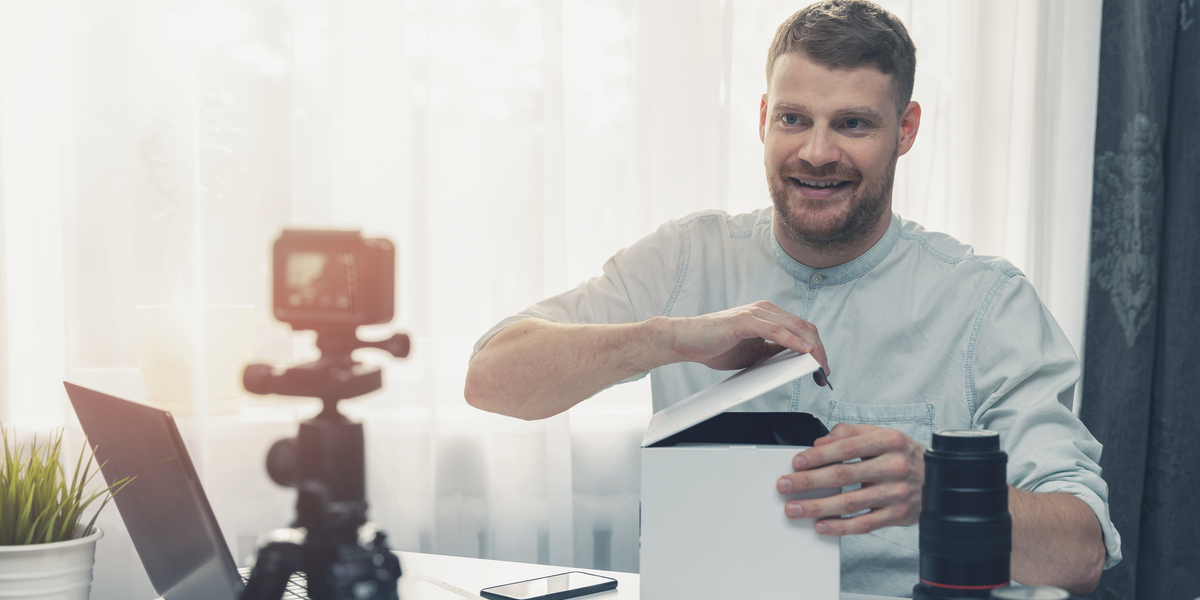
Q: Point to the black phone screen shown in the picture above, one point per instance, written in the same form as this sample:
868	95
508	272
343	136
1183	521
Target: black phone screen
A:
554	587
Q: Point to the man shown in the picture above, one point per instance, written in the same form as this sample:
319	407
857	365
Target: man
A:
926	335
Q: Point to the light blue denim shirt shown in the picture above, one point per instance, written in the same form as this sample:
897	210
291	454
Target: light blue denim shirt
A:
922	335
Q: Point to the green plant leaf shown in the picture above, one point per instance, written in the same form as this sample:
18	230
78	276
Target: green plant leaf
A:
39	501
118	485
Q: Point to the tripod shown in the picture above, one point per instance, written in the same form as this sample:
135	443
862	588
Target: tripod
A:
343	555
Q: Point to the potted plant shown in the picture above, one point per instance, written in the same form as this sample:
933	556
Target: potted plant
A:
45	552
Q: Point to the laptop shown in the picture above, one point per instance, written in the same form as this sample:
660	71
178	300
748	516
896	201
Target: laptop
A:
165	510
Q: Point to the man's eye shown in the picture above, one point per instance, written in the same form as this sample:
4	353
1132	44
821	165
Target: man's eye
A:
854	124
790	119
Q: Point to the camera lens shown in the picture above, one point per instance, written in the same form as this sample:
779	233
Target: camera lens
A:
966	530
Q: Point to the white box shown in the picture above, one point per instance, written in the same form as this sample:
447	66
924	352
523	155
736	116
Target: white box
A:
712	523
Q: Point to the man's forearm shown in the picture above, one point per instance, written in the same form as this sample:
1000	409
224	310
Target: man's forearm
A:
534	369
1056	541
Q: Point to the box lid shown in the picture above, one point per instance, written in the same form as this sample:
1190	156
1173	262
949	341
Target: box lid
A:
740	387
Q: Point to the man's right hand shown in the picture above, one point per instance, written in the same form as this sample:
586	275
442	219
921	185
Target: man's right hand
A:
535	369
739	337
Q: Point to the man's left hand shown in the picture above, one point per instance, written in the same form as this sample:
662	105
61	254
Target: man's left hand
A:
891	471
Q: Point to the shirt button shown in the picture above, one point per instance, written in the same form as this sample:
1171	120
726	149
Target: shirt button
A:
816	278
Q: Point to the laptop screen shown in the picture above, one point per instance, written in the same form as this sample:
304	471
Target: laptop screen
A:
164	507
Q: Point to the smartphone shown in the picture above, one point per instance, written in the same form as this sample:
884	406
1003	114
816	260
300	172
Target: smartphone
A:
554	587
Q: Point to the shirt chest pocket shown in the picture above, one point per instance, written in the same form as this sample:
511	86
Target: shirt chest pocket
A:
914	420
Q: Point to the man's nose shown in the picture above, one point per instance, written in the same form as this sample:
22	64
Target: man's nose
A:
819	148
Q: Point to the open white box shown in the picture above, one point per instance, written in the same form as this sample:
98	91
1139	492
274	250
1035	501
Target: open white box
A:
712	523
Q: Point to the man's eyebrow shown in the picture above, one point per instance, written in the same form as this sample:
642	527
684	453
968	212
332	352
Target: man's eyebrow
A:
785	107
853	111
860	111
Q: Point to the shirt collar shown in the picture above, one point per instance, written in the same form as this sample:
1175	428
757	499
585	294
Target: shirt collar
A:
841	273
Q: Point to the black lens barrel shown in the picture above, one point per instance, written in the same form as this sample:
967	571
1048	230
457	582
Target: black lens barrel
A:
966	529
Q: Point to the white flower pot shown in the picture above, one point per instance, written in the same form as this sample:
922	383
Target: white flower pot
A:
57	571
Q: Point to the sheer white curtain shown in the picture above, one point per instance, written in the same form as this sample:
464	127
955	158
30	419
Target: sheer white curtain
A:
151	150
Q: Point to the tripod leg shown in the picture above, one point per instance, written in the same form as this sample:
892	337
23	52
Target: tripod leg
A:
388	564
352	571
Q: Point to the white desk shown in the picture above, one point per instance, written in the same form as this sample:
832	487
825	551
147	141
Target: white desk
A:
436	577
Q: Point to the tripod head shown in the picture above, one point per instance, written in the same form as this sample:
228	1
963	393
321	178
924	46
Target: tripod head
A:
325	462
332	282
333	377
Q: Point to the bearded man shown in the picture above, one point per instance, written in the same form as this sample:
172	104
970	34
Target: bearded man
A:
927	335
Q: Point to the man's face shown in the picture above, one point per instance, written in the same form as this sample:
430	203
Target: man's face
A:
831	141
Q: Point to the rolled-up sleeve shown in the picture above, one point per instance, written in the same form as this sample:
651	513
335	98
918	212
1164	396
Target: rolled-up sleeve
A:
1024	371
633	287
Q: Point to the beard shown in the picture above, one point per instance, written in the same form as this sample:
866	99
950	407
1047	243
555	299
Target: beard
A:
863	209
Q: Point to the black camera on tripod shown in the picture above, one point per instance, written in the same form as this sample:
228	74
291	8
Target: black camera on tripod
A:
330	282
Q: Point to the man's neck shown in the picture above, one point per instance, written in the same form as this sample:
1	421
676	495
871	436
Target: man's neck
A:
816	256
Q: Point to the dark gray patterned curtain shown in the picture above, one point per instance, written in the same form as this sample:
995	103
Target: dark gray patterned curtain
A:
1141	381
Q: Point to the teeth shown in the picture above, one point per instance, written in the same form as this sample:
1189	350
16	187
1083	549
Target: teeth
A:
819	184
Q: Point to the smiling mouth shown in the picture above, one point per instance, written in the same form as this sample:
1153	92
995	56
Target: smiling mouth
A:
819	185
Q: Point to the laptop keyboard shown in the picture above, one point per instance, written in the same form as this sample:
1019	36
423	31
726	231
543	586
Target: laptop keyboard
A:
297	588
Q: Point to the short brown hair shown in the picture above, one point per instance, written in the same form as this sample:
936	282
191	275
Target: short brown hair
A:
844	34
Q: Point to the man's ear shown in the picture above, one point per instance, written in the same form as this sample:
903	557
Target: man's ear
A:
762	119
910	122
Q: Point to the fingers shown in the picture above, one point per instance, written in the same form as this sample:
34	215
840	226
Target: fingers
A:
889	516
848	442
767	350
884	506
891	471
822	358
845	430
739	337
890	468
777	325
895	500
837	447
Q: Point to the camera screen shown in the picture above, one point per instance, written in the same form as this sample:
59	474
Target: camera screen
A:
331	278
320	280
